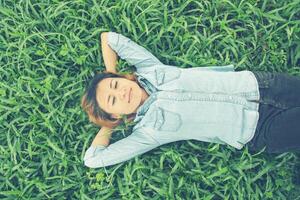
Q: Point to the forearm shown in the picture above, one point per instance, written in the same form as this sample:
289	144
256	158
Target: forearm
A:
109	55
103	137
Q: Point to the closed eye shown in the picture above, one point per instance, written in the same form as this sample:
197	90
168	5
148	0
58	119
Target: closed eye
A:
114	98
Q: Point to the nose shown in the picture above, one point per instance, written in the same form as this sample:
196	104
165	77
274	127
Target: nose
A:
121	93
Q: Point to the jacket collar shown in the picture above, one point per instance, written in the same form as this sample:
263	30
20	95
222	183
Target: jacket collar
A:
144	107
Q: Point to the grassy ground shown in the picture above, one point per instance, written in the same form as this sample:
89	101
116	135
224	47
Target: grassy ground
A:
49	49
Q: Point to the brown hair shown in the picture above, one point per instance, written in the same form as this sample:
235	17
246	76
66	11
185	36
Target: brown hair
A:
90	105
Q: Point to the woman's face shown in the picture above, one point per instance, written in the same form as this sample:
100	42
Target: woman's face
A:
118	96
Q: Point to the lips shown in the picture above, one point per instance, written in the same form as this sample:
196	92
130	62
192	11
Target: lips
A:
129	95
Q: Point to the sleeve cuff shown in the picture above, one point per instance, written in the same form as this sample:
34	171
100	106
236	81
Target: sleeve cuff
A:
113	40
92	150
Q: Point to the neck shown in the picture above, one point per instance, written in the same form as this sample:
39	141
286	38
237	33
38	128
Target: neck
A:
144	95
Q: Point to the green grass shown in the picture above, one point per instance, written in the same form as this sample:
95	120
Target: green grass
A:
49	49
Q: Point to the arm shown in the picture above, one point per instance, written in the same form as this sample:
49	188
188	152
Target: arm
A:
127	49
109	56
135	144
103	137
134	54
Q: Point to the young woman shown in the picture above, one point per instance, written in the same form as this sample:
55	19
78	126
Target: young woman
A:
216	104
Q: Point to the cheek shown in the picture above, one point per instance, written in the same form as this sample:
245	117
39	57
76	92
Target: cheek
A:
135	94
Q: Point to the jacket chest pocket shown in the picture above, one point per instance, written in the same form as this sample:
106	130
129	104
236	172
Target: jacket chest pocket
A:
166	74
163	120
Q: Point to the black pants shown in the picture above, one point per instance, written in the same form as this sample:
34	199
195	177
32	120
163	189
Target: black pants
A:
278	126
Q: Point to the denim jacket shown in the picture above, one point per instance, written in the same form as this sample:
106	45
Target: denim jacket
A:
209	104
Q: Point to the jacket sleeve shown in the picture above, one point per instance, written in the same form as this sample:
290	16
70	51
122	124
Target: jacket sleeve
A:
122	150
133	53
